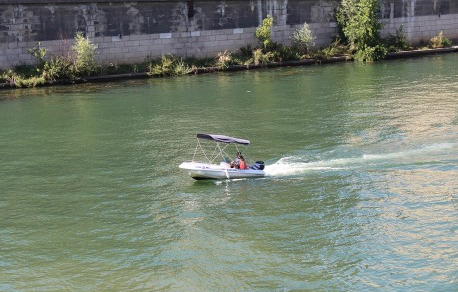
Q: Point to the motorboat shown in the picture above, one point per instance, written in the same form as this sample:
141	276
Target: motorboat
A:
217	165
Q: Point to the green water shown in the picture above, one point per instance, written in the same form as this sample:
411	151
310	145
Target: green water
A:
362	192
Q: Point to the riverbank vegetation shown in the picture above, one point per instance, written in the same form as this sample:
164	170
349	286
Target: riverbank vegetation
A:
359	38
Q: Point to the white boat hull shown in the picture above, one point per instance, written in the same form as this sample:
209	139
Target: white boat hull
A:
213	171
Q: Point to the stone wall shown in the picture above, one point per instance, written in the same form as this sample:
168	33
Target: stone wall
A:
129	32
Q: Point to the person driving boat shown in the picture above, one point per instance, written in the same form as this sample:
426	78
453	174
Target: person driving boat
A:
239	162
236	162
242	163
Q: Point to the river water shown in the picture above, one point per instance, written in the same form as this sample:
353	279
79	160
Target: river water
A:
361	193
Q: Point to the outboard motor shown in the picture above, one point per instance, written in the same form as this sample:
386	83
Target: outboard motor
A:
258	165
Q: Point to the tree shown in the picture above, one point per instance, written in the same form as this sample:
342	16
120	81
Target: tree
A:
359	23
264	32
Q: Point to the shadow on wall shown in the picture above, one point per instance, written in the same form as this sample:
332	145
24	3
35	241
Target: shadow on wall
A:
56	20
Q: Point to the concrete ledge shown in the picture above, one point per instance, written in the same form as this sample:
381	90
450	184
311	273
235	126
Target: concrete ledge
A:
306	62
415	53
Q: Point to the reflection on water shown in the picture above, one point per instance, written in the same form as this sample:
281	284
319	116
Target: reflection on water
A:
361	193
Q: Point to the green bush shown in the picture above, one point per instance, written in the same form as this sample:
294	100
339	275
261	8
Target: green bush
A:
283	53
370	53
180	67
302	38
169	66
398	41
163	68
84	51
78	63
260	58
336	48
27	71
246	52
439	41
3	77
264	32
39	54
58	67
224	60
15	80
359	23
200	63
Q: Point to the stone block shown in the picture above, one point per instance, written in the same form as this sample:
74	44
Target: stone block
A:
13	57
140	49
221	37
134	43
249	29
247	36
242	43
193	40
22	44
114	50
131	55
8	65
219	32
168	51
167	35
145	42
105	45
181	52
25	57
143	37
228	43
195	33
188	45
134	60
14	51
233	37
167	41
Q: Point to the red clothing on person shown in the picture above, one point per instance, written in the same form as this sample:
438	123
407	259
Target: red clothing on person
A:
243	164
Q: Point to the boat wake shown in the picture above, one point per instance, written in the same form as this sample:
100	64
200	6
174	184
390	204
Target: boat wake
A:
295	165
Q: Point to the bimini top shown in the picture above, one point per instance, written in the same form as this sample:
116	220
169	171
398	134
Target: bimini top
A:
222	138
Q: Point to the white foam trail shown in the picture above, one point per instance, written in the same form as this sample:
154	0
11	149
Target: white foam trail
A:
293	165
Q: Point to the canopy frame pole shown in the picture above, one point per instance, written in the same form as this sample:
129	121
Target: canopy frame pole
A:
225	152
214	153
221	151
247	159
198	145
195	151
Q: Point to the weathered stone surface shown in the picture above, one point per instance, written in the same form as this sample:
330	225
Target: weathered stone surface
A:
132	30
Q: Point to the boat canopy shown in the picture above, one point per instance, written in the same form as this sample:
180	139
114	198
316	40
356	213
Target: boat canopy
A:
223	139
